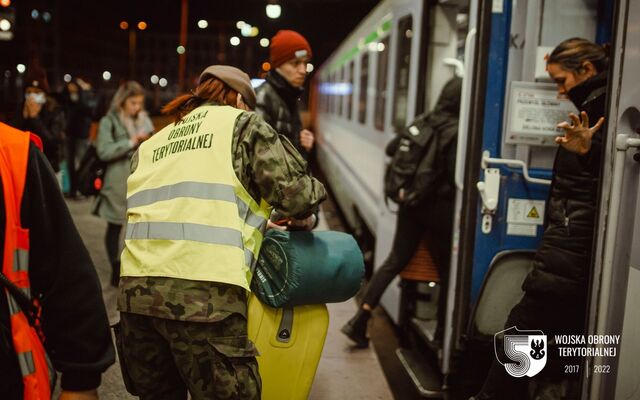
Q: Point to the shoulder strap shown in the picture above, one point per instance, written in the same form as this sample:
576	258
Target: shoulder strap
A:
24	302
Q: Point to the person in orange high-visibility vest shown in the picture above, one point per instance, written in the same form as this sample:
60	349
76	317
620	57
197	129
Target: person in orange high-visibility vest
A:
50	301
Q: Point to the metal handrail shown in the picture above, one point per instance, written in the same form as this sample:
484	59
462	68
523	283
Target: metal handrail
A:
486	160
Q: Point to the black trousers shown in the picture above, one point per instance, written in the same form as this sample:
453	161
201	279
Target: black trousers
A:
112	243
412	224
75	148
553	318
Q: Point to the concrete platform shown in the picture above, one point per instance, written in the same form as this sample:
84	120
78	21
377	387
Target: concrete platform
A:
343	373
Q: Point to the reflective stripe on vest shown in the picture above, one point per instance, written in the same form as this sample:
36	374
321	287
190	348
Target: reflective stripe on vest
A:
35	367
188	215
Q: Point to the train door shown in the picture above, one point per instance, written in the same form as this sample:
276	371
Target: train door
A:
512	113
405	62
616	287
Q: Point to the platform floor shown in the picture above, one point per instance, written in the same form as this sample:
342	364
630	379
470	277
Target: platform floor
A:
343	373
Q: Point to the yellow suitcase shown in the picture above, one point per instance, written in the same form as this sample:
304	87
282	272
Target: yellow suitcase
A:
290	343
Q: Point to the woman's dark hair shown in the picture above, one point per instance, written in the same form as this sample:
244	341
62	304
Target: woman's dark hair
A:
212	90
572	53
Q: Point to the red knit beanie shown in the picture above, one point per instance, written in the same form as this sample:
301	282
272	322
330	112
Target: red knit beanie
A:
286	45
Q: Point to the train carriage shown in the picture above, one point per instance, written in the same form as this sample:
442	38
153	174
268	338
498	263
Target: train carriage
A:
391	68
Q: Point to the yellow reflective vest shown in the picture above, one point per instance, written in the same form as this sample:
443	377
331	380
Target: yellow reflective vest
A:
188	215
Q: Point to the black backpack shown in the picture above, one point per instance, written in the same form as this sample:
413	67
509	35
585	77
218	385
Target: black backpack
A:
406	152
91	172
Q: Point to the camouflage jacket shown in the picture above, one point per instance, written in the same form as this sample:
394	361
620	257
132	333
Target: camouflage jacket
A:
269	167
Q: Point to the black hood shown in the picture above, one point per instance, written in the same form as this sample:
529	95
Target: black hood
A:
288	93
449	100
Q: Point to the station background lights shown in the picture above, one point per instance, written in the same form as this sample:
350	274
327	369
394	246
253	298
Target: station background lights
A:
246	30
240	24
5	25
106	75
203	24
5	3
124	25
162	82
35	14
46	16
67	78
21	68
264	42
380	46
373	46
273	11
266	66
142	25
309	68
180	49
154	79
234	40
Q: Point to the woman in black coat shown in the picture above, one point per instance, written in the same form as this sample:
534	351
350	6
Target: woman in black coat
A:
556	290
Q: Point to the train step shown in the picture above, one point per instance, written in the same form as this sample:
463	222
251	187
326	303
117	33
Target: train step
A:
425	378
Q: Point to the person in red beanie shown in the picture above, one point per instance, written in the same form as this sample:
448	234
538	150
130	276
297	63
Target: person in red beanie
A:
277	98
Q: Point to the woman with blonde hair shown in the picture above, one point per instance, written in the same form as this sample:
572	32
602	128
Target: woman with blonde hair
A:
125	126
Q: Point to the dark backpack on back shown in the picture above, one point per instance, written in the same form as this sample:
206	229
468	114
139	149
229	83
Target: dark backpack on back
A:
406	152
91	172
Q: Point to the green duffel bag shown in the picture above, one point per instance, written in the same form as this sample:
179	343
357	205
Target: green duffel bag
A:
298	268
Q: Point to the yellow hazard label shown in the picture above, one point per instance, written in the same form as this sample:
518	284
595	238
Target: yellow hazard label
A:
533	213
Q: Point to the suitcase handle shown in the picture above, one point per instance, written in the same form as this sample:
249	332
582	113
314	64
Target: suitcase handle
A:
286	326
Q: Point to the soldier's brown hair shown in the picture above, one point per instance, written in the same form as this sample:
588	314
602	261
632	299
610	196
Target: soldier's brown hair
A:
210	91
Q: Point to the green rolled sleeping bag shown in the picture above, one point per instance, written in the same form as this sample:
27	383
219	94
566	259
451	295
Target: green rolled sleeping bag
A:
299	268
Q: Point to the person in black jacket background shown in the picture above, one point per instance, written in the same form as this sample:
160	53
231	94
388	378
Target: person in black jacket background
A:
277	98
63	278
426	205
556	289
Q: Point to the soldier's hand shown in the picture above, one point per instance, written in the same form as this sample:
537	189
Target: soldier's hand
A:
306	139
81	395
302	224
577	136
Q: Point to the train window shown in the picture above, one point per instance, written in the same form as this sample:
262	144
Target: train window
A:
381	83
340	94
364	79
350	92
332	98
403	62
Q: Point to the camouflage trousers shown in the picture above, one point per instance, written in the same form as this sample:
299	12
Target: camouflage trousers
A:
165	358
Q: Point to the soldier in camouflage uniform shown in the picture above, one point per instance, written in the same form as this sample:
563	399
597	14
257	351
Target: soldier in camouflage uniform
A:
179	335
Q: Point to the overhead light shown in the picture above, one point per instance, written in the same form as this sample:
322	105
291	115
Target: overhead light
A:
5	25
124	25
162	82
240	24
181	49
264	42
142	25
5	3
273	11
234	40
266	66
380	46
46	16
309	68
35	14
254	31
7	74
67	78
203	24
21	68
246	30
106	75
154	79
373	46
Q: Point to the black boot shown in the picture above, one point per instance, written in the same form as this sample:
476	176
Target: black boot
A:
115	273
356	328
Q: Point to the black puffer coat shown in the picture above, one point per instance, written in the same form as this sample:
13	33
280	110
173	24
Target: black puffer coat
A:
277	103
562	262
